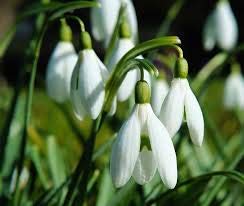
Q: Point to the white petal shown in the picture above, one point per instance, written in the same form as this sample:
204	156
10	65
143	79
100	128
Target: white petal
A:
125	151
59	71
142	111
90	85
194	118
160	89
234	91
226	26
127	86
121	48
97	24
79	111
131	14
104	19
172	110
103	69
113	108
145	167
209	33
163	150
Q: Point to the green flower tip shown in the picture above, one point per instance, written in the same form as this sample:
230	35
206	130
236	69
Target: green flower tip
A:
65	31
86	42
124	30
181	68
45	1
236	68
142	92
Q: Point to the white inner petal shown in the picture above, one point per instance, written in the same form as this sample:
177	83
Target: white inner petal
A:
145	167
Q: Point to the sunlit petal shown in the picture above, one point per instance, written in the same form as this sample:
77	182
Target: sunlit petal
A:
125	151
194	118
163	150
172	110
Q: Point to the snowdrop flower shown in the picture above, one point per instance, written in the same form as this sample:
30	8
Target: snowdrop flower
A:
143	146
160	89
221	28
60	67
104	19
87	83
234	89
181	99
125	44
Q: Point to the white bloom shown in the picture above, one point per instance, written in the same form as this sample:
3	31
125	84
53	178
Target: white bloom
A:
87	84
221	28
59	71
234	91
128	84
104	19
160	89
180	98
23	179
126	158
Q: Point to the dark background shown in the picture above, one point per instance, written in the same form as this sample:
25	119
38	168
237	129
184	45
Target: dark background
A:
188	26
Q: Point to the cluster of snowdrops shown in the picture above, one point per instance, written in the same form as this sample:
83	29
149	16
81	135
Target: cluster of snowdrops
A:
144	142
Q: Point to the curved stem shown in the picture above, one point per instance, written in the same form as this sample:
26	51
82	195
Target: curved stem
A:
81	23
142	73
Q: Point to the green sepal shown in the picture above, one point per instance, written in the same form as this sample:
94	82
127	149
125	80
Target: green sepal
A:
65	31
181	68
86	42
142	92
124	30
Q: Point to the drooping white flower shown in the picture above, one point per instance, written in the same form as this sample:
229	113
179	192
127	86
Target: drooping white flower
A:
221	28
104	19
127	159
179	100
128	84
234	91
87	84
59	71
160	89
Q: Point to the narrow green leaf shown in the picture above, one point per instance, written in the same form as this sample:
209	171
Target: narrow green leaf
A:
170	17
36	158
6	40
71	6
106	189
233	175
55	161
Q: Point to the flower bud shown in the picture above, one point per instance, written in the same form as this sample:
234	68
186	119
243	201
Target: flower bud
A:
181	68
124	30
86	42
142	92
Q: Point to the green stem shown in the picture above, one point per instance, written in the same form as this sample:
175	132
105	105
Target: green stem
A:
81	178
171	15
213	66
80	22
29	102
